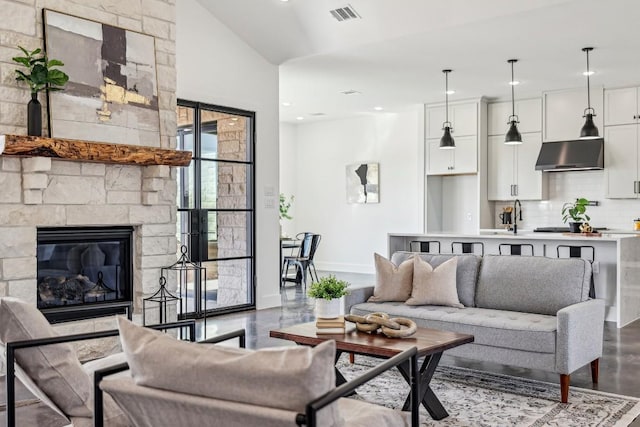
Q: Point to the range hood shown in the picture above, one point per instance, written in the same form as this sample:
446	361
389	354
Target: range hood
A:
580	154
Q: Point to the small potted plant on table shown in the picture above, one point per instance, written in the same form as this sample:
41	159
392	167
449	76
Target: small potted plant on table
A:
576	211
328	293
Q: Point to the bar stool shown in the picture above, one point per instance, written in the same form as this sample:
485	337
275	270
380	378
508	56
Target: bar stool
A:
515	248
424	246
466	247
585	252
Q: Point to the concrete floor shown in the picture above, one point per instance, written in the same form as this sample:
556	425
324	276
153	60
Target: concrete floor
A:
619	365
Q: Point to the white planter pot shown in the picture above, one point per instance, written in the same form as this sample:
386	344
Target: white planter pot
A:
329	309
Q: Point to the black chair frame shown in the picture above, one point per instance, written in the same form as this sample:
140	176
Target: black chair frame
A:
303	262
467	247
11	348
515	248
424	246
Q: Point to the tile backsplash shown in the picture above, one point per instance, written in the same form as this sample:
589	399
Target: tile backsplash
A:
567	186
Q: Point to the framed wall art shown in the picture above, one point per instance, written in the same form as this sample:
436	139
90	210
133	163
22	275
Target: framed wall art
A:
363	183
112	93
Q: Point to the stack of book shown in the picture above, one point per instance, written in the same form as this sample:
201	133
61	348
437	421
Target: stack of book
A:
331	326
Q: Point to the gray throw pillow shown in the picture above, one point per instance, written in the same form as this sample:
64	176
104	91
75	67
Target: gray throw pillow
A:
393	283
434	286
285	378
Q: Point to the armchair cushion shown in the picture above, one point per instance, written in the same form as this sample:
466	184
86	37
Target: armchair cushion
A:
282	378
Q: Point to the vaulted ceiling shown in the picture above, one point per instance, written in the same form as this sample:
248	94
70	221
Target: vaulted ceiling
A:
394	54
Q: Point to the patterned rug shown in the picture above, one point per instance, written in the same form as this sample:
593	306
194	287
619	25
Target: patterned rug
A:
475	398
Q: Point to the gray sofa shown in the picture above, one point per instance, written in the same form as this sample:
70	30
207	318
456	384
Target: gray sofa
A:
531	312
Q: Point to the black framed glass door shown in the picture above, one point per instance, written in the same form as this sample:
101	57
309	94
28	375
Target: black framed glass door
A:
216	214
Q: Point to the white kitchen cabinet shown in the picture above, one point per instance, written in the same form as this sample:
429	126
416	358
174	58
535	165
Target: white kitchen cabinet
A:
621	106
463	118
621	161
512	173
563	110
461	160
529	112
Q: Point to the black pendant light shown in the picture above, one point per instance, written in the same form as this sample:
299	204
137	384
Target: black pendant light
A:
589	130
513	136
447	142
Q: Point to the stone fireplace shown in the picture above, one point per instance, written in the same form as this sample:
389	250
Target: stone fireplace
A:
84	273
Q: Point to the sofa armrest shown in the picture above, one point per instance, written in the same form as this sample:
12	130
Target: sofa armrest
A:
408	356
357	296
579	335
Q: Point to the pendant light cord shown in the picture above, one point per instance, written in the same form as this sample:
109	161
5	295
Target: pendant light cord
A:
588	84
513	102
446	96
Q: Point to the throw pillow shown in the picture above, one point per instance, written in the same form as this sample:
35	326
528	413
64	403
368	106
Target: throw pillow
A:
434	286
286	378
393	283
55	368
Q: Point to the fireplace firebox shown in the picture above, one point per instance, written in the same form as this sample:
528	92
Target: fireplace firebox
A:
85	272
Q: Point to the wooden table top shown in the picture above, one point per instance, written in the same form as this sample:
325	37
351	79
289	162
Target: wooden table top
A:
428	341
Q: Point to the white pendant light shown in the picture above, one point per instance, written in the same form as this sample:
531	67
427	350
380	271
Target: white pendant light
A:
513	136
589	130
447	142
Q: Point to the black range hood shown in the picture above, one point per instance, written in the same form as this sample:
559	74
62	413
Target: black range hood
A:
579	154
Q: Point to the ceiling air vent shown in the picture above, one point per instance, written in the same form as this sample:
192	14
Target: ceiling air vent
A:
345	13
317	114
350	92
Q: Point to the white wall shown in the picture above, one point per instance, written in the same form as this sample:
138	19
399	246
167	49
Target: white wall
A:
351	233
215	66
566	187
288	153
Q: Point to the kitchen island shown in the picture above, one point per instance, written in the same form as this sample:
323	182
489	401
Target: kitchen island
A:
616	267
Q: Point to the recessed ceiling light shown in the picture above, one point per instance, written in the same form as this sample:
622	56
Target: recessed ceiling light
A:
235	119
299	118
514	83
284	0
588	73
450	92
378	108
232	123
286	104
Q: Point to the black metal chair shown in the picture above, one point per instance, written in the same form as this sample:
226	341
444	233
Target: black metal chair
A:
515	249
585	252
303	262
467	248
424	246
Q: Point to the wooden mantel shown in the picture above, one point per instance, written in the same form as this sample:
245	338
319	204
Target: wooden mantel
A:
87	151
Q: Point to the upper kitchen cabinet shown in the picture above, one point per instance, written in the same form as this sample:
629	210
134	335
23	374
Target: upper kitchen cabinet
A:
529	112
511	173
621	161
562	113
465	119
621	106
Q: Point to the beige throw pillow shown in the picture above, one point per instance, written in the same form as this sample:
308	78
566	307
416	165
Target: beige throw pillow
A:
285	378
393	283
434	286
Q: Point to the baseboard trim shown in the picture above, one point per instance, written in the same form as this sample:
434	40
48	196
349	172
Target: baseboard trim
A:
345	268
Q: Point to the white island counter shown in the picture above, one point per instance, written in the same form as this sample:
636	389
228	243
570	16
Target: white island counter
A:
616	266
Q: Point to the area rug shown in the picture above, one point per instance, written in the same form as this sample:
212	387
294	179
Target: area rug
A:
475	398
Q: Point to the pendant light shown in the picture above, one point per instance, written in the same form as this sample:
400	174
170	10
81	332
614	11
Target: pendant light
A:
447	142
513	136
589	130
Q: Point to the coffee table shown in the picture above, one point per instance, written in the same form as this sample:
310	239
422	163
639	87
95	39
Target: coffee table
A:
431	343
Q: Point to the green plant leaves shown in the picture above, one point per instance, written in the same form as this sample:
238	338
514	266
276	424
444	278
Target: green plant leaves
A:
40	76
328	288
575	211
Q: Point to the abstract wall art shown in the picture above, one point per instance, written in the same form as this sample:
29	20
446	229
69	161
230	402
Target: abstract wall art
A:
112	93
363	183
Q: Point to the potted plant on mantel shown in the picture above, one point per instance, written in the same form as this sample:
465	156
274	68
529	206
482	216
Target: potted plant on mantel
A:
41	76
329	294
576	211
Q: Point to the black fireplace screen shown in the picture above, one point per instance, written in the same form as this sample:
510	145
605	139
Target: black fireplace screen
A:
84	272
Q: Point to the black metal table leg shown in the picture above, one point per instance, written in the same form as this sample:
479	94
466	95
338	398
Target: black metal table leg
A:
429	399
340	379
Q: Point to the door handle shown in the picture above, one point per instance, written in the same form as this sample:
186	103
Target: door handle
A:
515	189
635	187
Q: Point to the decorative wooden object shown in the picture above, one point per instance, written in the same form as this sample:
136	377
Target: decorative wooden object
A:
71	149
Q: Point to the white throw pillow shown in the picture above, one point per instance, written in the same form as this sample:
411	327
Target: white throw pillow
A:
434	286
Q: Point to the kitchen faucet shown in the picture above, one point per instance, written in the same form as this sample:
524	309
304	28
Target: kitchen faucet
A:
516	212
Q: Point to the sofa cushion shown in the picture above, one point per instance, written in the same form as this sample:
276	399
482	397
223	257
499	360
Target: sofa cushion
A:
284	378
466	272
532	284
393	281
497	328
55	368
434	286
